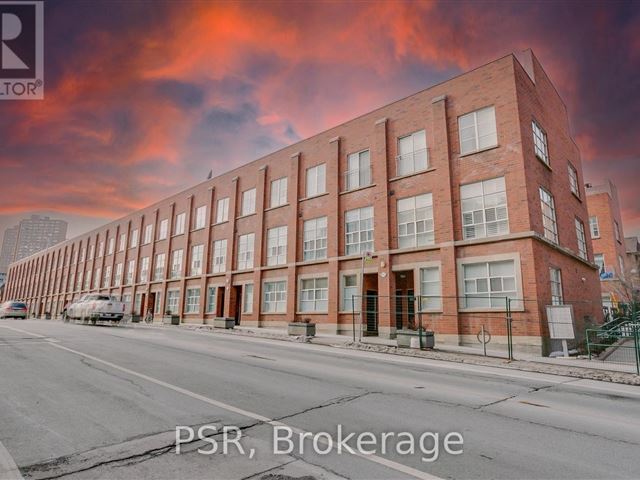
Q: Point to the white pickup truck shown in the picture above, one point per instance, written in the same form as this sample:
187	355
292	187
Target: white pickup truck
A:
94	307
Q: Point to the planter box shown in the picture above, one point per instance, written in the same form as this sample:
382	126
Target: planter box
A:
171	319
302	329
411	339
136	318
224	322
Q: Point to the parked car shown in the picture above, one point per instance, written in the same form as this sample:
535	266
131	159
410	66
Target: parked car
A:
95	307
13	309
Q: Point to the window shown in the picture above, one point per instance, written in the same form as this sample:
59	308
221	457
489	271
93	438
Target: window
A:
173	297
107	277
277	246
112	246
359	230
222	210
621	266
248	202
540	142
415	221
96	278
200	220
219	263
548	216
358	172
164	229
83	255
556	286
486	284
315	180
314	295
278	192
137	303
148	234
157	302
176	263
245	251
92	251
131	269
118	277
573	181
350	293
478	130
275	297
430	290
158	273
582	240
197	252
247	298
412	153
598	259
212	293
123	242
616	231
594	227
193	300
144	269
87	280
315	239
134	238
484	209
179	227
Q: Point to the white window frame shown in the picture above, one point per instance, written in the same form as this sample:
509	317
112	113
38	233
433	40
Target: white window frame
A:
316	180
148	234
135	236
177	259
314	243
540	143
277	245
200	220
123	242
212	305
582	239
346	302
118	276
365	217
247	298
131	272
500	304
594	226
246	248
416	159
313	298
180	223
358	174
222	210
248	202
549	218
144	269
278	192
107	277
417	227
490	134
197	255
97	278
164	229
489	218
574	184
111	246
621	266
219	256
192	300
158	271
430	301
173	301
555	280
602	265
274	301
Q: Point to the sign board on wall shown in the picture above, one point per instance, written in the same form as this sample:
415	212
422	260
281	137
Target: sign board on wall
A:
560	320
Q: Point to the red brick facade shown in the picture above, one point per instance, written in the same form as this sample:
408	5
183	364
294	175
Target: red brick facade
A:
518	98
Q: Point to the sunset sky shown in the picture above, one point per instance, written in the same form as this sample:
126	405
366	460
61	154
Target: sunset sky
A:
143	99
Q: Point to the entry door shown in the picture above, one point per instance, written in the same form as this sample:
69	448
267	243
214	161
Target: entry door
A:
411	308
399	309
371	304
238	303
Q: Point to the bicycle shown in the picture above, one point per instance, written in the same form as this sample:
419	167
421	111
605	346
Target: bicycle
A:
148	318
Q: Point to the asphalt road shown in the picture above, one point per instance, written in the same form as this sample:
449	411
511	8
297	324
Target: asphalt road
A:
104	402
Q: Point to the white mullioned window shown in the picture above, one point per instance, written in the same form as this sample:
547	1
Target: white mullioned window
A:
540	142
430	289
219	261
201	218
549	215
118	276
96	278
79	280
131	270
415	221
83	254
144	269
616	231
484	209
487	284
358	230
412	153
123	242
164	229
222	210
245	251
316	180
158	273
112	246
87	280
315	239
350	293
173	297
555	276
582	239
477	130
247	298
197	252
275	297
314	294
358	172
148	234
134	238
179	226
176	263
598	259
248	202
278	192
594	227
107	277
192	304
573	181
277	246
92	251
621	266
212	298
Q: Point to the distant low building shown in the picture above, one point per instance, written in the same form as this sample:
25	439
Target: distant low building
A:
632	245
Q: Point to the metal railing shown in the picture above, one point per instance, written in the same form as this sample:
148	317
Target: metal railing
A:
616	344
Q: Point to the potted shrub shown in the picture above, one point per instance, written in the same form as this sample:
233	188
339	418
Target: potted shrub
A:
304	328
224	322
170	318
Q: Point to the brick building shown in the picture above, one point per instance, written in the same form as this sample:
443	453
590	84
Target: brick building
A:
454	189
609	249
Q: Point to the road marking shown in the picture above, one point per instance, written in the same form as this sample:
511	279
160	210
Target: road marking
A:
23	331
8	468
225	406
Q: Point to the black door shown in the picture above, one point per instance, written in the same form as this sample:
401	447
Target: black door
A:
372	312
411	309
399	309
